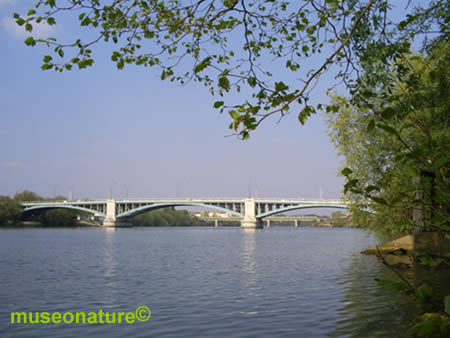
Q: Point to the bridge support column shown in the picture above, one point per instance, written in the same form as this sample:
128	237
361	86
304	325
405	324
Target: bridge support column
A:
216	223
268	223
250	221
110	219
296	223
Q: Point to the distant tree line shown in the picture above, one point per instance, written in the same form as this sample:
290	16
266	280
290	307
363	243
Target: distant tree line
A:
337	220
167	217
11	211
11	214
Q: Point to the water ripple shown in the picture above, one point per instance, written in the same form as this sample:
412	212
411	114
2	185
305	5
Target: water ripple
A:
200	282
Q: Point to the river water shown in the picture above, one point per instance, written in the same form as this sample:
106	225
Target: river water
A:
200	282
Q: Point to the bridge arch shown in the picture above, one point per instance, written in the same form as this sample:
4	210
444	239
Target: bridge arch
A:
63	206
156	206
296	207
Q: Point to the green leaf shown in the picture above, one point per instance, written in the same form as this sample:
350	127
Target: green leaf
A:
370	125
302	118
85	63
121	64
218	104
234	115
350	185
424	292
413	172
229	3
47	58
388	113
251	81
447	304
402	25
51	21
438	220
202	65
280	86
86	21
432	262
442	162
115	56
390	285
379	200
46	66
305	113
224	83
371	188
346	171
388	129
426	327
29	41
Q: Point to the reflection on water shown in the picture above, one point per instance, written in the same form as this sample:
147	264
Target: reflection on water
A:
250	276
109	260
367	310
109	265
248	255
201	282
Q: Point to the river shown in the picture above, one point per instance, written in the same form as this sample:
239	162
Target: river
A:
200	282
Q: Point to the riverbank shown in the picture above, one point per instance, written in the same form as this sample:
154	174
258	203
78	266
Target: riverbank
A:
37	224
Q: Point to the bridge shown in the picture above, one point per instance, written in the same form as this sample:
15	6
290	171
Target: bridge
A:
251	211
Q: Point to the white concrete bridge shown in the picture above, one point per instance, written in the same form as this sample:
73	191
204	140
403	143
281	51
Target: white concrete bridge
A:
251	211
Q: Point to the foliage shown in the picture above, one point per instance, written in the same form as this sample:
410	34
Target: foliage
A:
395	141
436	323
338	219
429	323
59	218
10	210
54	217
397	144
28	196
232	44
166	217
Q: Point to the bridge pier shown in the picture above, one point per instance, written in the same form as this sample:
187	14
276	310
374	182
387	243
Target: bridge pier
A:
250	221
268	223
296	223
251	224
117	223
110	219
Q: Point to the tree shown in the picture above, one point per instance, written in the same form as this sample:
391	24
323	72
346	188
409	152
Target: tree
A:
229	45
59	218
397	143
26	196
166	217
10	210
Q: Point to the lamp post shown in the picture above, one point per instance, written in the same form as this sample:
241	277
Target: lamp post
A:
111	189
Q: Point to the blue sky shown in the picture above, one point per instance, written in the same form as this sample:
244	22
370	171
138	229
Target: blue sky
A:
86	132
